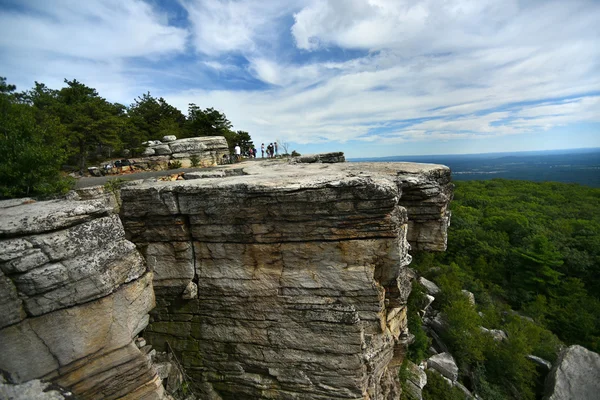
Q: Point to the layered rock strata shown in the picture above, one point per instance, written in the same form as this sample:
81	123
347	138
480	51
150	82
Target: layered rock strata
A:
289	281
73	295
209	150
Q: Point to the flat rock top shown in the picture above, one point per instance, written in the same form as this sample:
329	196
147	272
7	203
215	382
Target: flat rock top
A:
284	175
42	216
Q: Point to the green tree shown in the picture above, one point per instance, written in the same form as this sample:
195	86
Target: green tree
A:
153	118
90	121
207	122
31	151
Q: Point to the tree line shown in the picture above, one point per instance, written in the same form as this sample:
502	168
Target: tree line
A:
44	131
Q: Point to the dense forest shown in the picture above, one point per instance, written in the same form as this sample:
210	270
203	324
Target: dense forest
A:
530	253
45	132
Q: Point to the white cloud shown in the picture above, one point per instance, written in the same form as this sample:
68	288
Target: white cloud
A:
223	26
95	30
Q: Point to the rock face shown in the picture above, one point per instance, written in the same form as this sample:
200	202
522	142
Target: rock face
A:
74	293
298	270
209	150
575	375
426	194
272	280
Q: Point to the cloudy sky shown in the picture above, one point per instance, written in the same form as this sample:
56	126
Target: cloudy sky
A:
368	77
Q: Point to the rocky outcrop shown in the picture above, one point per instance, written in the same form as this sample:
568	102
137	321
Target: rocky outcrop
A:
444	364
575	375
74	294
209	150
297	269
335	157
426	194
272	280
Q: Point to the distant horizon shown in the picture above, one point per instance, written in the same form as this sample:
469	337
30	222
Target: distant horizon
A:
574	150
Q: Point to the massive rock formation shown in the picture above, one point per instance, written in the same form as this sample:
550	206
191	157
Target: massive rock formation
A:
74	293
272	280
299	269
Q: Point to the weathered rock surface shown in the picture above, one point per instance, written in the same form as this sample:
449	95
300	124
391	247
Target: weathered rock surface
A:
74	293
335	157
208	149
444	364
32	390
431	288
575	375
297	269
272	280
426	194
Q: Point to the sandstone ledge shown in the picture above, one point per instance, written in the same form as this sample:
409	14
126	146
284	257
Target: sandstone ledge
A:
300	273
73	295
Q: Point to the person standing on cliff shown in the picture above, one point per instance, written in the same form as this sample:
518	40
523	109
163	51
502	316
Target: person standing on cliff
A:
275	147
238	152
262	150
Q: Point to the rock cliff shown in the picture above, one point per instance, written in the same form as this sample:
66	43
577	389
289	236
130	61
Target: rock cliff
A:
74	293
299	272
272	280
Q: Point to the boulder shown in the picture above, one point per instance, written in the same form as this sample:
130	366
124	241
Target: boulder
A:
429	286
169	138
444	364
161	150
416	375
470	296
148	151
428	300
190	292
497	334
575	375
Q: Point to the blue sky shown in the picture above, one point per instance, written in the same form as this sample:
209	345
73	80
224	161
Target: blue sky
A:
367	77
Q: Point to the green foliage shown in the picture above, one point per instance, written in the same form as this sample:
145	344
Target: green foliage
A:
31	149
43	129
417	350
531	247
438	389
114	185
535	246
194	160
151	119
295	153
175	164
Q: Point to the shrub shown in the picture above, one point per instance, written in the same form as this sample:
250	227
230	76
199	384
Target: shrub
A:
295	153
175	164
195	160
438	389
417	350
